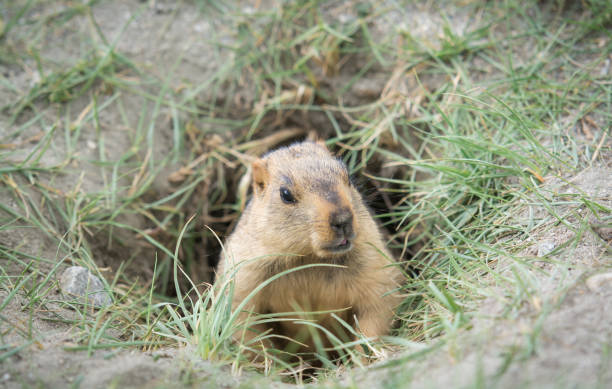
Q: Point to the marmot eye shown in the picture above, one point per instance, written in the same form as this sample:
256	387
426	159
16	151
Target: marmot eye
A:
286	196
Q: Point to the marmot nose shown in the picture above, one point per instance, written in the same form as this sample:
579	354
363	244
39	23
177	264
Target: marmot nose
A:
341	222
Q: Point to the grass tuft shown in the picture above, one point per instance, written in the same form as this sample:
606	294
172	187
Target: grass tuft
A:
459	138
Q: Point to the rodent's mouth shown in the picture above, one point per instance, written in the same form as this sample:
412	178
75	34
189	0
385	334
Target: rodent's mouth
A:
342	247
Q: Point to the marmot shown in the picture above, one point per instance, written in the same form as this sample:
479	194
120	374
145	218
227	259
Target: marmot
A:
305	210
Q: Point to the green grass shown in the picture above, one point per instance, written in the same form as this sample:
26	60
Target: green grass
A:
465	136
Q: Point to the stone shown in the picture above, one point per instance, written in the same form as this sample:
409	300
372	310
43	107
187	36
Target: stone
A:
604	231
545	248
599	282
77	281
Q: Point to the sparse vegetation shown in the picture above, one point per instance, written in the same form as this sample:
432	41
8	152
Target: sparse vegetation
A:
466	125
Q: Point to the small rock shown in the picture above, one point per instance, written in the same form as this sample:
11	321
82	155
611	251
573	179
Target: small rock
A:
368	88
599	281
248	10
605	69
345	18
78	281
545	248
603	230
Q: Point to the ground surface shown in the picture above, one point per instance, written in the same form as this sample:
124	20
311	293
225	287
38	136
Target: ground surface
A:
107	107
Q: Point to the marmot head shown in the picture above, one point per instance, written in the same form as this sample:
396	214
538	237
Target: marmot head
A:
304	202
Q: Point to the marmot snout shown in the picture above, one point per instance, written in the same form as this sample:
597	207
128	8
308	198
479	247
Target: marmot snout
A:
305	210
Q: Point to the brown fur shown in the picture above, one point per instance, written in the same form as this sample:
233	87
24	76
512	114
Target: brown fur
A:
273	236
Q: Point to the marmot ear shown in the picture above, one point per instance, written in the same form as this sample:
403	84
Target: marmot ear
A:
317	140
321	142
260	175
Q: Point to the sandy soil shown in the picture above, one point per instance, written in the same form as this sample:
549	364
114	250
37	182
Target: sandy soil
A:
574	338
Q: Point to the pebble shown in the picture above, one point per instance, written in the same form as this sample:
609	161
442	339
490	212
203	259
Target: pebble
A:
605	69
599	281
545	248
78	281
603	230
